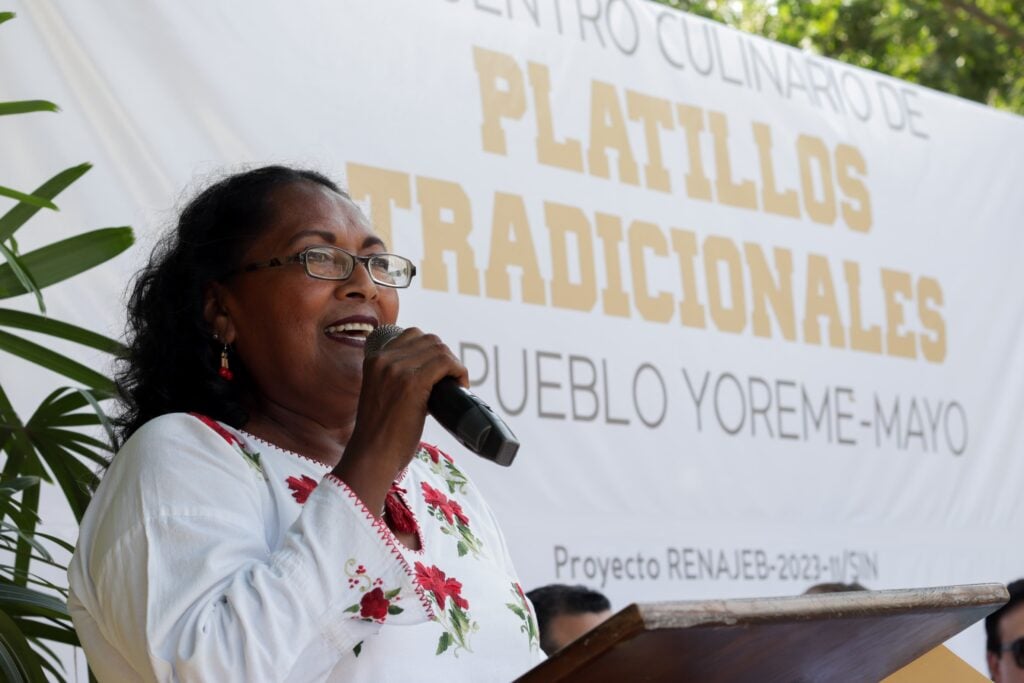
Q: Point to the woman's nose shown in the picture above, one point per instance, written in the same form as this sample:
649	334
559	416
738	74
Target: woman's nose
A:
358	284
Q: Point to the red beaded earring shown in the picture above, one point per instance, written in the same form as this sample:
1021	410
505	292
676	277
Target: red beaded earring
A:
225	371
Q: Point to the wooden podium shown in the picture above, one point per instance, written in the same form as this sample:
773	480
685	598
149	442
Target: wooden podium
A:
843	637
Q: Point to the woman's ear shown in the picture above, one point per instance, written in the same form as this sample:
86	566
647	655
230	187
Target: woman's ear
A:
215	312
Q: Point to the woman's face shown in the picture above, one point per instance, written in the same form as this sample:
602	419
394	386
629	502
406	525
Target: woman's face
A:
301	339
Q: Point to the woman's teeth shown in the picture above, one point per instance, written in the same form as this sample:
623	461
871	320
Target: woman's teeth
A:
350	329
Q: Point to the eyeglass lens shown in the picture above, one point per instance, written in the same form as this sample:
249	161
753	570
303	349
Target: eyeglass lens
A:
337	264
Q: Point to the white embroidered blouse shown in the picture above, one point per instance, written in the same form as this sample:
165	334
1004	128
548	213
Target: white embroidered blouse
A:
209	555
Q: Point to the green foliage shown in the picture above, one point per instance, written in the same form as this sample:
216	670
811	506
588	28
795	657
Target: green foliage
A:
49	448
28	615
970	48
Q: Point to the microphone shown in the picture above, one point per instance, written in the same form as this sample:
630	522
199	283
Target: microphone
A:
471	421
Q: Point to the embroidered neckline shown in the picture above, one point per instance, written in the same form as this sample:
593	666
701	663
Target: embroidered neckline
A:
300	456
402	499
251	457
398	480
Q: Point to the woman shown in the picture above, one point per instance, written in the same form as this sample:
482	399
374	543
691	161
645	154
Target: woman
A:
271	514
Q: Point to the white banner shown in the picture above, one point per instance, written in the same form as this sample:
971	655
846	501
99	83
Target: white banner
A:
754	314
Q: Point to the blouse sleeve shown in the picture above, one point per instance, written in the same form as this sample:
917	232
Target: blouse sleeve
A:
189	588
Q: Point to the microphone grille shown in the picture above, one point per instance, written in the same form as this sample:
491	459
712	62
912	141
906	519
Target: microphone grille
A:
380	337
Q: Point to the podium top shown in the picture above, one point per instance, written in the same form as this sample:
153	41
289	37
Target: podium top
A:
848	637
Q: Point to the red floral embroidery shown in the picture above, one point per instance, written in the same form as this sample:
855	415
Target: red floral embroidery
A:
457	511
251	457
455	621
454	520
434	580
435	453
301	488
374	605
432	496
443	466
215	426
448	507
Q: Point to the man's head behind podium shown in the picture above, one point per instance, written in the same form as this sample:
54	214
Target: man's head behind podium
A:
1004	629
564	613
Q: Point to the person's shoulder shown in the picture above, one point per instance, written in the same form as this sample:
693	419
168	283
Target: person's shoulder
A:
162	425
178	428
175	462
172	467
177	439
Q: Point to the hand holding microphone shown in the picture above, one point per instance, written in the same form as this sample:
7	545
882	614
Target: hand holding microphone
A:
407	374
462	413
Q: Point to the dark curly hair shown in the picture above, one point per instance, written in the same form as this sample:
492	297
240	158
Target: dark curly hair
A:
172	359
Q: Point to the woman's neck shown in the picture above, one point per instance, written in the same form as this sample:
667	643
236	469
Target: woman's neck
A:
299	433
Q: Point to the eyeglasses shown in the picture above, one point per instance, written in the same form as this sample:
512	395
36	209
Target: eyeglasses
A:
332	263
1017	648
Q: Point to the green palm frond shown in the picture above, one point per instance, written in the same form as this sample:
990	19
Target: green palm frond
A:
58	445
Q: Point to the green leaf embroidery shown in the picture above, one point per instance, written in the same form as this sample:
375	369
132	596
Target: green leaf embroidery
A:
395	609
443	643
459	620
358	648
353	608
521	609
253	459
391	594
462	548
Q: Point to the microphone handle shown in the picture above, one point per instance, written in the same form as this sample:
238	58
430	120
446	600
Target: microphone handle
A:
472	422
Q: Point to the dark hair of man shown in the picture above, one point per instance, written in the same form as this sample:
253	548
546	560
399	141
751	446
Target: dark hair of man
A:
557	599
172	359
819	588
992	641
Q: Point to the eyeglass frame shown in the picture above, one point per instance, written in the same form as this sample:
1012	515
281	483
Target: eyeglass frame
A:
300	257
1017	648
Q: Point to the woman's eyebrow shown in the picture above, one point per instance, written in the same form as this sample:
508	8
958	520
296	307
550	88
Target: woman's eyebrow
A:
328	236
325	235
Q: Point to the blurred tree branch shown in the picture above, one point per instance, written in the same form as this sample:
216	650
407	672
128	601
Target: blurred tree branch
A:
985	18
970	48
